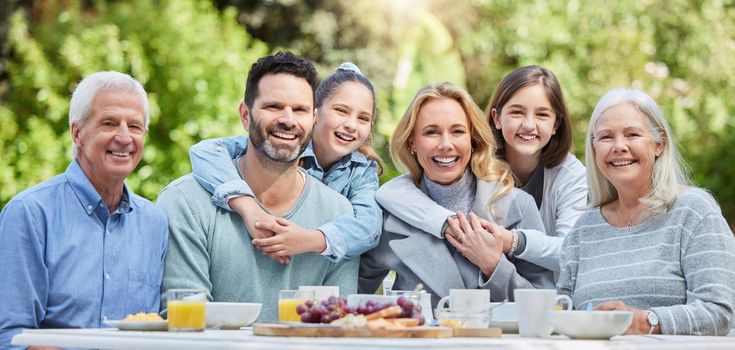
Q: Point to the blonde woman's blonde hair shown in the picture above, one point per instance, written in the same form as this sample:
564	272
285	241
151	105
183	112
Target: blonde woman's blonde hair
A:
670	174
483	163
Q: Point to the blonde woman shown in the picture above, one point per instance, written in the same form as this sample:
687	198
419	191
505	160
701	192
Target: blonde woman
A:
447	146
652	244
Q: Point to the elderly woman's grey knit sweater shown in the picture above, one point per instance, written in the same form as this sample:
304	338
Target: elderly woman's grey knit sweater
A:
680	265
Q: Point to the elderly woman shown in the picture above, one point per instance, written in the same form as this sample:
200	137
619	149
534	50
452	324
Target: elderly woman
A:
448	147
652	244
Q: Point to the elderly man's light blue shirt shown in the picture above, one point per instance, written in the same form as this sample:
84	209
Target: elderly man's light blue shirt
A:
67	262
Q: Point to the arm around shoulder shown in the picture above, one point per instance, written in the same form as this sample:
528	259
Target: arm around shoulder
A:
213	167
404	200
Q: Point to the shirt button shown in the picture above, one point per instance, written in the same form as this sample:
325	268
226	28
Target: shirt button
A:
89	207
218	149
107	276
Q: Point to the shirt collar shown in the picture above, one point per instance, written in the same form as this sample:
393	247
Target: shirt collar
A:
309	157
87	194
308	154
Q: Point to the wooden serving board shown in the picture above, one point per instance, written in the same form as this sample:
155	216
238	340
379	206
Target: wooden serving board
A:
287	330
478	332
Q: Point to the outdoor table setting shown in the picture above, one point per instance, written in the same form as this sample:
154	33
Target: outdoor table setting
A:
317	318
245	339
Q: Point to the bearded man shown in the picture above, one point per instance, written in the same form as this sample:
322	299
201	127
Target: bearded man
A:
210	248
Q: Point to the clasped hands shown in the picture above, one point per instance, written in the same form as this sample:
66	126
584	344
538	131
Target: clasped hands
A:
277	237
480	241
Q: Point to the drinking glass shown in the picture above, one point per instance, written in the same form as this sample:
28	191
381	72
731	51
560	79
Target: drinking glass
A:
186	310
288	300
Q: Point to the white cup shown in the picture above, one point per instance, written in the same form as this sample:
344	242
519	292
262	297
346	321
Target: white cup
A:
322	292
533	307
461	299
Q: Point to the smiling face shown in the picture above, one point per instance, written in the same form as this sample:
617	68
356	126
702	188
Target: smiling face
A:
110	141
441	140
281	118
625	150
343	123
527	122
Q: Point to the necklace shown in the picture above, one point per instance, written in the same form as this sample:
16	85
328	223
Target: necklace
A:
629	220
615	212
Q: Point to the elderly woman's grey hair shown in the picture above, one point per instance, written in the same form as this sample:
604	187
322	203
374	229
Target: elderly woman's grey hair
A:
84	94
670	174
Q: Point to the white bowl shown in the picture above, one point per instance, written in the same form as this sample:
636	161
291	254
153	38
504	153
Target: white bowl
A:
231	315
580	324
505	316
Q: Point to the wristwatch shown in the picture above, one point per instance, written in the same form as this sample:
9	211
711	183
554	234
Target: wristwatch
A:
652	320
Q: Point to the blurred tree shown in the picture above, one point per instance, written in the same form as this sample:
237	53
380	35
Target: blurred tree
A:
191	58
399	45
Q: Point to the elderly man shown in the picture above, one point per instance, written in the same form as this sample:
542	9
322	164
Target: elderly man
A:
81	248
210	248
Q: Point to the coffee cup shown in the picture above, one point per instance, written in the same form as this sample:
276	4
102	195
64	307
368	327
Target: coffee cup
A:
533	307
464	299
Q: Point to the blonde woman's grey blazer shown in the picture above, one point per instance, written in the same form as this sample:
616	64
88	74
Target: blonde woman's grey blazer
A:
418	257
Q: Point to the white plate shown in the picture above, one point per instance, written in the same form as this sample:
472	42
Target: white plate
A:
139	325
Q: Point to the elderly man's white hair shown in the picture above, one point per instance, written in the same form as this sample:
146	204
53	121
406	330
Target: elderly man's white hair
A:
89	87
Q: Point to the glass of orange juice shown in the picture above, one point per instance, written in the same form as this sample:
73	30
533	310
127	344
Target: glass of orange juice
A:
288	300
186	310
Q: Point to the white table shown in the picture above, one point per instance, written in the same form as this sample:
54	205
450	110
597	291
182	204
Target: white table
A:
244	339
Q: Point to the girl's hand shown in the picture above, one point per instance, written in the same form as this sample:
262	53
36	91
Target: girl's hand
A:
290	239
475	243
251	212
640	323
499	231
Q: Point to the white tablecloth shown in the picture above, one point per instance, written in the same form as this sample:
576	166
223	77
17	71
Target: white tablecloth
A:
244	339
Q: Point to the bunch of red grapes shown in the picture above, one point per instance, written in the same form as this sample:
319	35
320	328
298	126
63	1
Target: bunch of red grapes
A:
325	311
335	308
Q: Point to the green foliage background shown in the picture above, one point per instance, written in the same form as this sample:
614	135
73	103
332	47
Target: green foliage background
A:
192	57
